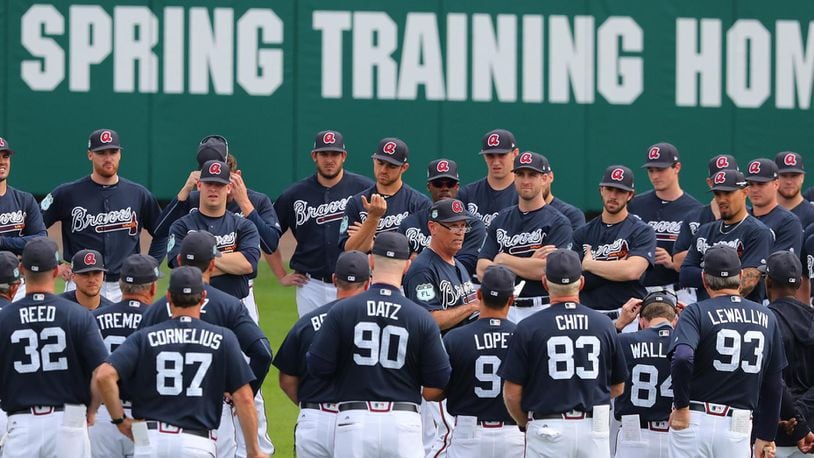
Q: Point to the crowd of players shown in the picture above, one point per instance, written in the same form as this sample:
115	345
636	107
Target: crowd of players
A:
486	320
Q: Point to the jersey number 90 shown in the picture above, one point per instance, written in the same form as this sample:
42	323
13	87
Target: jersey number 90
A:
376	345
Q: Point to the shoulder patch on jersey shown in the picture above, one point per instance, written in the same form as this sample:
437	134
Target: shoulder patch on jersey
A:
425	292
664	333
570	305
171	243
494	322
46	203
343	226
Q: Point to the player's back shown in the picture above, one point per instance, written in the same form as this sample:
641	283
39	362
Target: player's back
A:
118	320
476	352
648	391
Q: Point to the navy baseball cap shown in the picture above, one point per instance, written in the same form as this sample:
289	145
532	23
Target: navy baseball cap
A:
138	269
722	162
661	156
40	254
497	281
787	162
659	297
563	267
199	246
727	180
448	211
761	170
212	148
352	266
722	261
783	267
532	161
87	261
498	141
392	245
329	140
9	268
215	172
392	150
442	168
186	280
618	176
4	146
103	139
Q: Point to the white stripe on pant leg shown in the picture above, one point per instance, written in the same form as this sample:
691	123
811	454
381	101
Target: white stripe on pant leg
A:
251	304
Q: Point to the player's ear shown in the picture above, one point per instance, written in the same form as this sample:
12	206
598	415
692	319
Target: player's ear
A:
314	156
55	272
153	289
404	167
203	297
406	266
333	279
370	262
211	267
545	282
581	282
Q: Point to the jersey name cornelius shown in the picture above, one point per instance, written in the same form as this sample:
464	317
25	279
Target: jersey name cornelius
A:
12	221
523	242
114	220
172	336
322	214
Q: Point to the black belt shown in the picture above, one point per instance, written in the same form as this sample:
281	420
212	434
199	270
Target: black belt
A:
111	277
717	410
649	424
324	406
524	302
37	410
572	415
612	314
496	423
378	406
176	430
323	278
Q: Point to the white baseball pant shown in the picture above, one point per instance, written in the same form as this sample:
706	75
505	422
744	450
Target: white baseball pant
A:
48	433
436	426
518	314
473	439
105	439
314	432
251	304
314	294
712	435
20	292
790	452
378	434
565	437
228	430
262	435
654	443
167	441
110	290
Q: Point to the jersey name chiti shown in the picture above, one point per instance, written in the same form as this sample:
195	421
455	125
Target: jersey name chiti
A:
618	249
114	220
387	222
738	315
572	322
520	243
173	336
321	214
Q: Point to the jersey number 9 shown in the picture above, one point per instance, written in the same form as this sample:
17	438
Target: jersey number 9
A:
40	357
376	343
486	367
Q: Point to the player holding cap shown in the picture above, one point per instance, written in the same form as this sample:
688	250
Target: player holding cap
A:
180	384
562	369
522	236
791	174
383	206
357	342
761	176
483	427
644	407
88	274
104	212
51	346
116	322
314	432
486	197
442	183
727	358
313	208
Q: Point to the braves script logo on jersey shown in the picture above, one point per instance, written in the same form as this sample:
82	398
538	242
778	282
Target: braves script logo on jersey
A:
525	158
694	227
451	294
653	153
790	159
617	174
389	148
810	262
226	243
115	220
493	140
722	162
12	222
90	259
387	222
322	214
754	167
106	136
614	251
702	245
329	138
416	238
666	231
487	219
524	242
720	177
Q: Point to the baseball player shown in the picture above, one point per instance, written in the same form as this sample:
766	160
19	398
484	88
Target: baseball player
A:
483	427
394	346
313	208
383	206
442	183
664	207
807	259
562	369
645	405
616	247
486	197
103	212
574	214
783	271
761	177
521	236
116	322
178	371
88	274
809	194
790	174
51	346
10	280
314	432
199	249
727	358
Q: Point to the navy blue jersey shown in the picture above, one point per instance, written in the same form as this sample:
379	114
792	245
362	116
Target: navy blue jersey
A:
4	302
809	194
400	205
751	238
71	296
234	234
804	211
415	228
177	371
476	352
566	357
484	202
220	309
666	217
116	322
290	357
690	226
50	348
807	256
20	220
108	219
313	213
521	233
786	228
613	242
649	389
384	346
574	214
736	341
264	216
437	285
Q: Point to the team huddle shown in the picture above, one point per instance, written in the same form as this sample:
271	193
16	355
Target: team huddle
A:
486	320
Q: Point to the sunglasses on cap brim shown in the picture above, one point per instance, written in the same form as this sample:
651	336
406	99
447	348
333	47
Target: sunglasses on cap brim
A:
217	137
662	297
